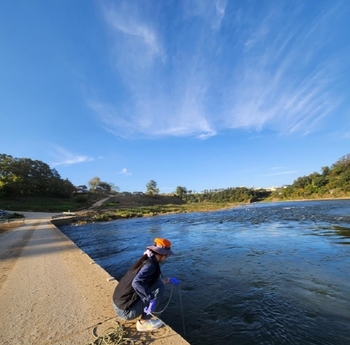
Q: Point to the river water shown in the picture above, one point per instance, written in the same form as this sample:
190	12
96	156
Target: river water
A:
267	273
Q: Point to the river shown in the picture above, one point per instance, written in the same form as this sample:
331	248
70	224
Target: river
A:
266	273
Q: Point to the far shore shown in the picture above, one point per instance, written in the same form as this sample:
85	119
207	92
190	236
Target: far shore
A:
82	219
99	214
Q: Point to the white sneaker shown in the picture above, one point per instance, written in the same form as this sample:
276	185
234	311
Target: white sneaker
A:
149	325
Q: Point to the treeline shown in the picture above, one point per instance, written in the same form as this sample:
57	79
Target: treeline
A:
332	182
27	177
228	195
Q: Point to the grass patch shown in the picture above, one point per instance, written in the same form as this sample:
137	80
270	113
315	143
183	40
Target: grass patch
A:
110	210
47	204
150	211
107	214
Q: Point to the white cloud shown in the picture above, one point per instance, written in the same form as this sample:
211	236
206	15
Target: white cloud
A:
65	157
290	172
181	116
125	172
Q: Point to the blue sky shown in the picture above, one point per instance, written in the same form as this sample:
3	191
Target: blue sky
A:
203	94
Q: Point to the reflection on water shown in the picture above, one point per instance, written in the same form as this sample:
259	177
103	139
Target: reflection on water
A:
260	274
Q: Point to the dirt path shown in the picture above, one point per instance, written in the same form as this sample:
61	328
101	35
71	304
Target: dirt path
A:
99	203
53	293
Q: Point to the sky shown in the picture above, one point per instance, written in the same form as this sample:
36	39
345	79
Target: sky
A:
202	94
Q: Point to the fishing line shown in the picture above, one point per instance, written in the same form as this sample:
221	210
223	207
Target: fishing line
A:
167	304
182	312
155	313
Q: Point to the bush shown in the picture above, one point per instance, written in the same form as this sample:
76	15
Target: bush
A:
80	199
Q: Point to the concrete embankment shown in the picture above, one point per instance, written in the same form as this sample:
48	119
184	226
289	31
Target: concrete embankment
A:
53	293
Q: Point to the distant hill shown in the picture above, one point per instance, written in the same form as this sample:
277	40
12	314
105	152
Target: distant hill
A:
332	182
127	201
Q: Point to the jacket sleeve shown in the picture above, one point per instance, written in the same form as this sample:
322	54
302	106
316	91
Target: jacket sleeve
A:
142	280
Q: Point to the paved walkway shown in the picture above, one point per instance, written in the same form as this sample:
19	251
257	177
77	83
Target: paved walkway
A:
53	293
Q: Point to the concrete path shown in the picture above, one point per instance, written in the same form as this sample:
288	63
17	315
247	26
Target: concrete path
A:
53	293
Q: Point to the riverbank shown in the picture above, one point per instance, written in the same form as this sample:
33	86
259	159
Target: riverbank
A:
109	213
53	293
104	214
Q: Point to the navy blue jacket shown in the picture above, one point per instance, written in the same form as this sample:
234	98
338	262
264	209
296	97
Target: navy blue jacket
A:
137	284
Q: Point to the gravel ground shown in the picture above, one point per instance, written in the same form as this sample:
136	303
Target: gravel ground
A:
53	293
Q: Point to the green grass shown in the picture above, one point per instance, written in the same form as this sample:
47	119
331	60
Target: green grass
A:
150	211
45	204
109	211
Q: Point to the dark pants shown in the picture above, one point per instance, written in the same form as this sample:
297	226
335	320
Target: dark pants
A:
136	309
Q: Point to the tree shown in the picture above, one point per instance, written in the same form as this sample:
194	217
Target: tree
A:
94	182
23	176
152	188
104	187
96	185
181	191
114	188
325	171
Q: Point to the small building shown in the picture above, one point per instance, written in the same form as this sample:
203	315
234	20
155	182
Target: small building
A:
82	189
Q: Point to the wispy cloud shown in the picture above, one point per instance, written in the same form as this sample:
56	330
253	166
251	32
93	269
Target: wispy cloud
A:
280	170
208	66
285	84
65	157
212	12
125	172
138	38
289	172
